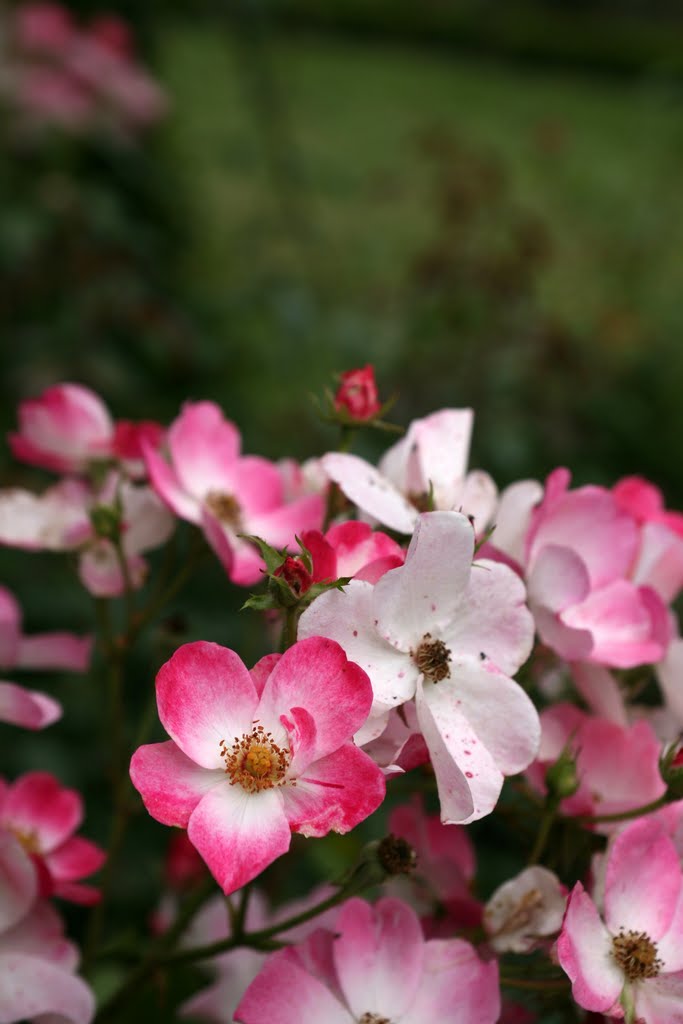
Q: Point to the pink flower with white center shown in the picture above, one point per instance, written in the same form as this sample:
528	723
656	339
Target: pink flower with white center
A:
629	960
617	766
36	962
43	816
425	469
578	552
375	968
446	866
227	494
41	650
449	634
255	756
64	429
525	911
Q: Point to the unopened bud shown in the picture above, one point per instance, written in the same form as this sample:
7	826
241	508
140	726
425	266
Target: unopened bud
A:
357	394
106	521
562	778
671	770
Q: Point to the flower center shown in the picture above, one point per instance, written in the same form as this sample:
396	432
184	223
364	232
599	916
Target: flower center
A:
225	508
255	761
29	840
373	1018
432	658
636	954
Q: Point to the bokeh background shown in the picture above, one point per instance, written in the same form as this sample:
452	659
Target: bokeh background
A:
480	197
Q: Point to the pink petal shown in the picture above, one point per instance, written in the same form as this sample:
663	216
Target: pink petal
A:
643	880
335	793
316	674
74	859
370	491
589	522
47	522
238	833
223	542
670	945
18	881
660	1000
456	986
170	783
559	578
286	993
584	949
372	941
323	555
262	669
28	708
660	561
620	623
491	618
257	486
204	447
356	545
37	804
41	933
424	595
670	676
349	617
32	987
10	628
165	482
441	442
601	692
513	516
56	650
281	526
205	695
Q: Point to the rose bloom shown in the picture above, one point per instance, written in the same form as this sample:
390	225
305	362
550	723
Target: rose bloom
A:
255	756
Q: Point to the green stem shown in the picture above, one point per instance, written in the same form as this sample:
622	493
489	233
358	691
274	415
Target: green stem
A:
635	812
547	819
534	984
290	628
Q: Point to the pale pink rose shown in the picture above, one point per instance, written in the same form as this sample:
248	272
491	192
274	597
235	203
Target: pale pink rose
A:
227	494
578	551
374	967
449	634
526	911
426	468
63	429
256	756
43	816
617	766
57	520
631	955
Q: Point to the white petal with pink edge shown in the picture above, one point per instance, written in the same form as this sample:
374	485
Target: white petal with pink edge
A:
238	833
371	942
584	949
205	695
170	783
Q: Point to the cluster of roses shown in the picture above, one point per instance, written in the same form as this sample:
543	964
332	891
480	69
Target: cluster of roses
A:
411	594
82	80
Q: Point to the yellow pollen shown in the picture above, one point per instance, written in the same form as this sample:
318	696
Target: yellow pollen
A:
225	508
433	659
636	954
29	840
255	762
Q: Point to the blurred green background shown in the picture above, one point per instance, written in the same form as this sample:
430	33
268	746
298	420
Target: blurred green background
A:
482	198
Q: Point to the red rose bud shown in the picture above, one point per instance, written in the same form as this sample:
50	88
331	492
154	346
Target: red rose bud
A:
671	770
295	574
357	394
